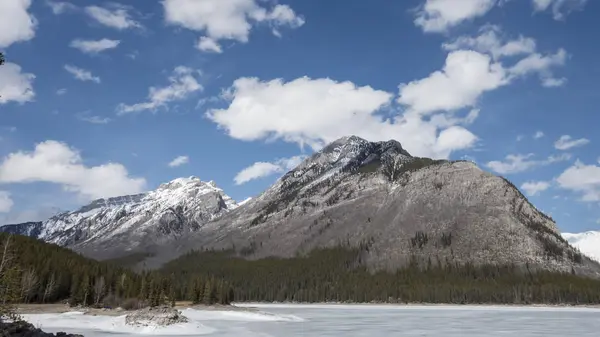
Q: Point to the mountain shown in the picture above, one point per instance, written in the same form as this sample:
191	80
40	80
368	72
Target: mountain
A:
108	228
398	209
31	229
588	243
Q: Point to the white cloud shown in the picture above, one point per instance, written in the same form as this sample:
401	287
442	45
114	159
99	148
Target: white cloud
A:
583	179
227	19
16	24
264	169
541	65
181	160
6	202
117	17
491	41
56	162
87	117
81	74
565	142
15	86
533	188
314	112
60	7
515	163
183	84
61	91
94	46
538	135
437	16
520	138
206	43
464	78
559	7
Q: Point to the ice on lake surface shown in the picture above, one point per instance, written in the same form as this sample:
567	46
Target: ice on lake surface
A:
347	320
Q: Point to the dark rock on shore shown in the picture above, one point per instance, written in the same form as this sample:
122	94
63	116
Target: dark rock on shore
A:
25	329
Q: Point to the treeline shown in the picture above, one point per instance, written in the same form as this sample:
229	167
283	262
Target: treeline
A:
32	271
338	275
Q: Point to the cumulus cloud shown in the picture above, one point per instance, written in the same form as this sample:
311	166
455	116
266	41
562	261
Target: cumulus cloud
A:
181	160
94	46
16	23
559	8
227	19
117	16
6	202
81	74
183	84
464	78
515	163
15	86
566	142
314	112
538	135
533	188
583	179
437	16
60	7
55	162
541	65
491	41
260	170
206	43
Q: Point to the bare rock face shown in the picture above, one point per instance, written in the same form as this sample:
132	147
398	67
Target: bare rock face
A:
157	316
401	208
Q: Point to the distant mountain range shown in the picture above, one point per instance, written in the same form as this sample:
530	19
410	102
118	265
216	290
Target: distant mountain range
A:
351	193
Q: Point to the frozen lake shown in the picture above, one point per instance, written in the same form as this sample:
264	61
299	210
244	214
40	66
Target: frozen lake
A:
348	320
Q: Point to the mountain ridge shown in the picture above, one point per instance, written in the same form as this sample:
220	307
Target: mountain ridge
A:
352	192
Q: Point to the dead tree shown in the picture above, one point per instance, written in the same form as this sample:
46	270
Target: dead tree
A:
99	289
49	289
29	283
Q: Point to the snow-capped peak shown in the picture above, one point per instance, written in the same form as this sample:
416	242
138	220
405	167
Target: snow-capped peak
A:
182	204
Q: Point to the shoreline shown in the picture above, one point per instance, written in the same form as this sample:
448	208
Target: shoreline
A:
37	309
387	304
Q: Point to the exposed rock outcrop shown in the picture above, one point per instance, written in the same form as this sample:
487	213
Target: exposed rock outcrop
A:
25	329
157	316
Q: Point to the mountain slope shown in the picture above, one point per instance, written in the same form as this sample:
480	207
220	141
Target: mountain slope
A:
357	193
375	196
108	228
588	243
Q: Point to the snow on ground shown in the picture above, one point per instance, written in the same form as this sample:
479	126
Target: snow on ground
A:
294	320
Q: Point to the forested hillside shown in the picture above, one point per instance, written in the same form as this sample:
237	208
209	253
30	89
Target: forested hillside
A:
339	275
32	271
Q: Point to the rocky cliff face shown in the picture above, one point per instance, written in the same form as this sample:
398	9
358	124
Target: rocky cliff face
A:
375	195
108	228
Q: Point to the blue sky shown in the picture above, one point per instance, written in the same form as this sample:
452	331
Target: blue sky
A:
107	98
